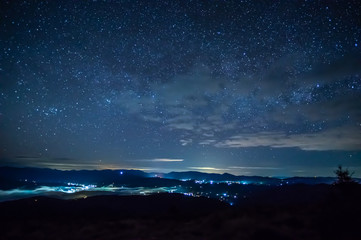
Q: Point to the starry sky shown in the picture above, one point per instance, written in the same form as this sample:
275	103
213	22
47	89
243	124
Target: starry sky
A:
269	88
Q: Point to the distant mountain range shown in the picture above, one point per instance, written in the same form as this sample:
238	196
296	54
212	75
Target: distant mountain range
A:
248	179
11	177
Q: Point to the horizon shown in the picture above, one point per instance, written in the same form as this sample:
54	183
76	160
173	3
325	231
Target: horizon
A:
267	88
153	171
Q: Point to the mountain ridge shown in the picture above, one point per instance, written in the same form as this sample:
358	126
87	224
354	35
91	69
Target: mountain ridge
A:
108	176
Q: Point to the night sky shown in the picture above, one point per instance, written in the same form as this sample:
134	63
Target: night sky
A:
268	88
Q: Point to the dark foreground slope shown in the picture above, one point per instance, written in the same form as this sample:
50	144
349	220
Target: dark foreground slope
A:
276	214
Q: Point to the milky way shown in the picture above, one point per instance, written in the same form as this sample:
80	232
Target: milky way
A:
247	87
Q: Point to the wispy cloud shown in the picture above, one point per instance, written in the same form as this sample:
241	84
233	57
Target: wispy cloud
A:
208	169
185	142
207	142
182	126
159	160
254	168
344	66
167	160
212	111
342	138
56	163
331	110
75	164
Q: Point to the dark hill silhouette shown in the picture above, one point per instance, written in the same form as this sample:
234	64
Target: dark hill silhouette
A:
324	212
250	179
160	205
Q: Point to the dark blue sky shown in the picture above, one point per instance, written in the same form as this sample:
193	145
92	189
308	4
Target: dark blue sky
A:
248	87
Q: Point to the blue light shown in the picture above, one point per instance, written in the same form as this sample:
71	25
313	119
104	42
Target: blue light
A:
121	173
